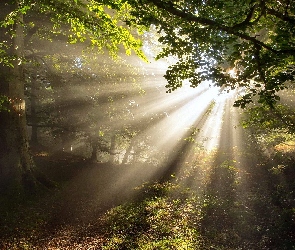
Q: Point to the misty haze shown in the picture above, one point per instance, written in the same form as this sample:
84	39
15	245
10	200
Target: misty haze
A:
119	136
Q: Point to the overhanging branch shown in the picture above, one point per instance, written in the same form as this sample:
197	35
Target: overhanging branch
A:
170	8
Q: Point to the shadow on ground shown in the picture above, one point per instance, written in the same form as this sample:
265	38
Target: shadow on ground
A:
220	204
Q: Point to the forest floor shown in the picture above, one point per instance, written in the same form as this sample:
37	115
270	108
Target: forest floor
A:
104	206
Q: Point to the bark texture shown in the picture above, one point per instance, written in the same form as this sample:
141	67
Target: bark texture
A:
16	163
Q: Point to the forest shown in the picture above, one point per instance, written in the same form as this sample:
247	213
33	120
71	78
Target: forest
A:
147	124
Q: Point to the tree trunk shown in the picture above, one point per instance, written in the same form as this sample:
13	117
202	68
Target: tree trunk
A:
127	154
113	149
34	119
94	145
16	163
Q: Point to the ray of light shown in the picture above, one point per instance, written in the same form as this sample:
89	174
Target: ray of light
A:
210	131
164	120
168	136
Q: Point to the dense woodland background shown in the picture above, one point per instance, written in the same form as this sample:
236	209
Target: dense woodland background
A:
94	154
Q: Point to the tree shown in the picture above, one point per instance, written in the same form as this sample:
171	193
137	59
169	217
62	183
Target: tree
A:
14	143
93	22
248	44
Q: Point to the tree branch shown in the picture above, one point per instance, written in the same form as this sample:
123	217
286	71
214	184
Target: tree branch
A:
279	15
258	61
170	7
246	22
287	7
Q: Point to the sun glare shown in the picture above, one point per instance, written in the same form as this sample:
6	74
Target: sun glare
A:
233	73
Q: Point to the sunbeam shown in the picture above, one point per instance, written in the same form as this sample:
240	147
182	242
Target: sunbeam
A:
147	125
210	132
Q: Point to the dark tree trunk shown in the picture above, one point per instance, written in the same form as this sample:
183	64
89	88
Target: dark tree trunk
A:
34	119
94	145
16	163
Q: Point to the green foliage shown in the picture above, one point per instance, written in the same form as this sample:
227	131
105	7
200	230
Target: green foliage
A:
157	222
5	59
271	126
210	39
4	103
266	118
98	22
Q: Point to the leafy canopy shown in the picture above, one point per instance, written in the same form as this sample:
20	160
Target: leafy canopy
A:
100	22
247	43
